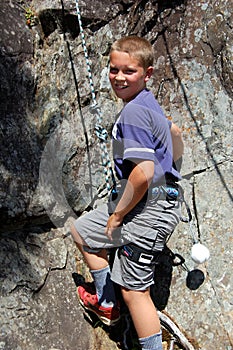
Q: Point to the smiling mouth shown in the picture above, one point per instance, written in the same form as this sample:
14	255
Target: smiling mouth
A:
120	87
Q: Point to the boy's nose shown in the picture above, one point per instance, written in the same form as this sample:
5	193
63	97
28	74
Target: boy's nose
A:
120	76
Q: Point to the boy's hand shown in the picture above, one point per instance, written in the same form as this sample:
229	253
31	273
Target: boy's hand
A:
114	221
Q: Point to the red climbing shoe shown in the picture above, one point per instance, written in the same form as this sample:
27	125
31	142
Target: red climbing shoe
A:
108	315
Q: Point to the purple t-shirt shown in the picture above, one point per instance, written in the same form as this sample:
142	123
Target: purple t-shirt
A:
142	132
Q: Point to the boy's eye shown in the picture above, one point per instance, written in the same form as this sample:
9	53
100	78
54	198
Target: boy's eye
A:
130	71
113	70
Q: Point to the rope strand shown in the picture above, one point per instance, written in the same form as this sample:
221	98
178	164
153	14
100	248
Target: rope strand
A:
101	132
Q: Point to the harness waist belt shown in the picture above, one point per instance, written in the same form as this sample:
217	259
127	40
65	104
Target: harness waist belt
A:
146	257
137	254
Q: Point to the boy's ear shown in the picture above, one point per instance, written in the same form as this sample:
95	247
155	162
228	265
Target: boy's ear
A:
149	72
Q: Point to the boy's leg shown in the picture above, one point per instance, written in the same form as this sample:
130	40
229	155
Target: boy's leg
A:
104	301
145	318
142	311
96	261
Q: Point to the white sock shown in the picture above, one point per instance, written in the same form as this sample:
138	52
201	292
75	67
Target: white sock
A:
153	342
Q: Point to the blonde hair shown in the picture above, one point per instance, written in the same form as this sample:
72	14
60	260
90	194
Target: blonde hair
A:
136	47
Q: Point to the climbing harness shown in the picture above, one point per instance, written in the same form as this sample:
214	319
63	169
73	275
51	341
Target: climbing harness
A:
100	131
166	259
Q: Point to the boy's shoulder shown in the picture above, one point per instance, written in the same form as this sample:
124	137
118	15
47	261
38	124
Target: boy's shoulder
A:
145	100
144	97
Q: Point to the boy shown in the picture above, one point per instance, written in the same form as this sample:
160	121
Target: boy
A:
147	208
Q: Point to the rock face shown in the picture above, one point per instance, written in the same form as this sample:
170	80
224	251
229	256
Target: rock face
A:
51	159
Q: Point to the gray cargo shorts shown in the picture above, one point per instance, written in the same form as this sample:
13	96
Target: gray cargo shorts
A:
148	226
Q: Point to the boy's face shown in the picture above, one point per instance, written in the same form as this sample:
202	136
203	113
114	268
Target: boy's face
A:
127	76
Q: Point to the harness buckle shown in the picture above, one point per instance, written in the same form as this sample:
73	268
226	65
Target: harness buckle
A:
136	254
165	192
145	258
171	192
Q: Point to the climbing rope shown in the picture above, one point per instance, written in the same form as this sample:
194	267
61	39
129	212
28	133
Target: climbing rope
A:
101	132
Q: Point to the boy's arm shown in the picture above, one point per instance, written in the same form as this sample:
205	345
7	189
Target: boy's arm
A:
177	142
137	184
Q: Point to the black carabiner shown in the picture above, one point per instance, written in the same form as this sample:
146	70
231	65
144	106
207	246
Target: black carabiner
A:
181	260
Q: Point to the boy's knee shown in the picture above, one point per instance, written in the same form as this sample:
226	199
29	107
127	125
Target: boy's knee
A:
76	237
73	231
